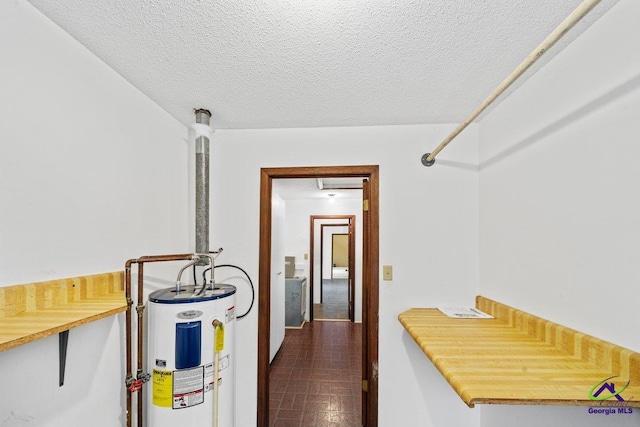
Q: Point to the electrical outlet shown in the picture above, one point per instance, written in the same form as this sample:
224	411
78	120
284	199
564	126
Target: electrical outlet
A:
387	272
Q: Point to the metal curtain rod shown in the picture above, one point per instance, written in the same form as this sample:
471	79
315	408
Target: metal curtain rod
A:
428	159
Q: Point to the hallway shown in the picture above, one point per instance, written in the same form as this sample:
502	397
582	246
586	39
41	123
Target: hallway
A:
315	378
335	300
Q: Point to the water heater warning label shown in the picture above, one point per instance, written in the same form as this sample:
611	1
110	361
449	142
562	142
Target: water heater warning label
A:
162	386
208	377
230	314
188	387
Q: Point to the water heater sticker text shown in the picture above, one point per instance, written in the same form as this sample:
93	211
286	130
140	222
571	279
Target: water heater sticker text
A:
230	314
188	387
224	362
208	377
162	386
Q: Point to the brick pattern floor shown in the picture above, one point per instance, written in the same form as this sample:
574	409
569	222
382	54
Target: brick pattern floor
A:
316	376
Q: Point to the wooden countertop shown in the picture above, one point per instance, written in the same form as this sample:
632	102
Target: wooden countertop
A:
517	358
32	311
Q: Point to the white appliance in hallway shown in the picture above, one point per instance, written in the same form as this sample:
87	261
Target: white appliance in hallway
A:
295	301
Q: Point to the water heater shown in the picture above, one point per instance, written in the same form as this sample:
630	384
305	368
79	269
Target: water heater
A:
188	331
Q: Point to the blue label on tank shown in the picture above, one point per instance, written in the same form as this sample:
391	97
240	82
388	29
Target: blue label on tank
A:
188	344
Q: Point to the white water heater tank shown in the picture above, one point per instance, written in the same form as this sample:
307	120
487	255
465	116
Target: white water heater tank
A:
181	349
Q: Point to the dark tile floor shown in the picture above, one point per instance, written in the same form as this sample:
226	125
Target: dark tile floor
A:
335	300
315	378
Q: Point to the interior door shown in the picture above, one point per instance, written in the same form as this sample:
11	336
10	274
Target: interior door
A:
366	279
277	328
351	280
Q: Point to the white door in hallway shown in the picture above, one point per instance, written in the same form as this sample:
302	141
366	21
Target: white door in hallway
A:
277	275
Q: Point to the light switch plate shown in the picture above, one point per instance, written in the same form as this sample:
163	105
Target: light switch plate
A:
387	272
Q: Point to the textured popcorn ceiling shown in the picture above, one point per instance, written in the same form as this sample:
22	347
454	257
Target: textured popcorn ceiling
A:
310	63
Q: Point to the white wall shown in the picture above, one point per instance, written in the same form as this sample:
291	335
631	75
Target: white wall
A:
428	232
559	204
91	173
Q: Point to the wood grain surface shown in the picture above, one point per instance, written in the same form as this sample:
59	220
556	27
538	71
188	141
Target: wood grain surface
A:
36	310
517	358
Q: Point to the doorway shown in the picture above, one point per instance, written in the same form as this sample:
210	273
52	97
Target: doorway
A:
339	286
339	255
370	291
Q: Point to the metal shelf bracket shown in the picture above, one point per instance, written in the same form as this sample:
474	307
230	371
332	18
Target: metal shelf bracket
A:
63	339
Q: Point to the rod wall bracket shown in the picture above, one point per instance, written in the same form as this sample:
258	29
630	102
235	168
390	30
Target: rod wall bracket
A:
427	162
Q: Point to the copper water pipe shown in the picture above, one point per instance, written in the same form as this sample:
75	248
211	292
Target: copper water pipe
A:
128	324
160	258
128	377
140	311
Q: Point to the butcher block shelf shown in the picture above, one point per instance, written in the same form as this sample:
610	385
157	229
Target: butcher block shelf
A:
520	359
36	310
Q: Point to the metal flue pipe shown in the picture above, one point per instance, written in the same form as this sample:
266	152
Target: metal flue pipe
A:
202	181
